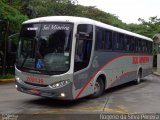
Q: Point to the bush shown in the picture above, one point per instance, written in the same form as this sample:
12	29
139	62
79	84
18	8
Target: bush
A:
7	76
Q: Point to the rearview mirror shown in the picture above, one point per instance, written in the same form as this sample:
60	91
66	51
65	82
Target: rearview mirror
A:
13	43
82	35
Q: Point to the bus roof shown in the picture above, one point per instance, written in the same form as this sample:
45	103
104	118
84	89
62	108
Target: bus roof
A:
83	20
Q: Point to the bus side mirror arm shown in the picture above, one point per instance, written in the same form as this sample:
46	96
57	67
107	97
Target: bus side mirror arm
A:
10	43
82	34
77	35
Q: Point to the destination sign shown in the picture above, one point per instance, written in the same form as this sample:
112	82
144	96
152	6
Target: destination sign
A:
55	27
32	28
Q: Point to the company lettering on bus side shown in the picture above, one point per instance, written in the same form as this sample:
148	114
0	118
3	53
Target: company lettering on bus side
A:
137	60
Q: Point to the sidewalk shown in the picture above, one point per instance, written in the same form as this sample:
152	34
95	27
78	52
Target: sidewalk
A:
7	80
155	72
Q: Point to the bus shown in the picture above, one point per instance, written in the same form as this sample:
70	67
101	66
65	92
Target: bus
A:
67	57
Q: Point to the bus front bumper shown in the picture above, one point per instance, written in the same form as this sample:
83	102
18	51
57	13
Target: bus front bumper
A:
59	93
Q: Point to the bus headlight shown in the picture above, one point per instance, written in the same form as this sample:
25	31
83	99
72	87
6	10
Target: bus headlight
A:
60	84
17	78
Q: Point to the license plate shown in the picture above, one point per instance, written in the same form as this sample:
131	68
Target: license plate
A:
34	91
36	80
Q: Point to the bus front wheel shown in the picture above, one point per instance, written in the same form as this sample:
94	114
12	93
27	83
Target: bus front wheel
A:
98	88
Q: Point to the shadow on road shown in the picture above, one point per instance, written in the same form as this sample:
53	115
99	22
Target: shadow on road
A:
52	103
127	87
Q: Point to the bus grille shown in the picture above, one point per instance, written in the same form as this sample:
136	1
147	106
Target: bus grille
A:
35	84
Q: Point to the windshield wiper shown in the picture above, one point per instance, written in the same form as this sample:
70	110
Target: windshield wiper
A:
24	61
28	51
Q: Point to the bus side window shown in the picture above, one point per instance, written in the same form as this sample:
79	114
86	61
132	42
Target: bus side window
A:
143	46
115	41
146	48
136	45
126	43
132	44
100	43
149	47
121	41
108	40
139	45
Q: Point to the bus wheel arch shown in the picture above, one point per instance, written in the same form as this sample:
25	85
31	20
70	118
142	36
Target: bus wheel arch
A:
99	86
104	80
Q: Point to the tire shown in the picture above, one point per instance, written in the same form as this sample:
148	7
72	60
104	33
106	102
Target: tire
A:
98	88
138	80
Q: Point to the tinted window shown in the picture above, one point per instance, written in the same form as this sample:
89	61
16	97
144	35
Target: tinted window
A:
85	31
108	39
118	41
100	43
116	44
83	46
139	45
136	45
132	44
103	39
121	41
150	47
127	43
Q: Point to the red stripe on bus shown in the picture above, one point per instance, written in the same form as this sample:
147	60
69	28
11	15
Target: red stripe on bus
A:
99	69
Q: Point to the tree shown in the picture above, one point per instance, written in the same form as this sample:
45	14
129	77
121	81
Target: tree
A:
12	15
12	20
39	8
152	26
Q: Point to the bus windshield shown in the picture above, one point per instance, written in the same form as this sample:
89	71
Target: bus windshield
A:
45	48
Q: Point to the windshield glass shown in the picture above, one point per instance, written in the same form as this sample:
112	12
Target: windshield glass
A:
45	48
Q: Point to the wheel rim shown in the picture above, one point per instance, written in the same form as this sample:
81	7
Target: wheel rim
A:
138	78
97	88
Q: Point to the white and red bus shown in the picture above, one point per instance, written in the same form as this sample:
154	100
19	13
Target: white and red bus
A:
65	57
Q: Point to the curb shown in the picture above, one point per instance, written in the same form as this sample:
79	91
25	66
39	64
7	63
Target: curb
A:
7	80
156	74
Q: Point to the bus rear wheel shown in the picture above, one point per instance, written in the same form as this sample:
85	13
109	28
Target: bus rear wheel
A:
138	80
98	88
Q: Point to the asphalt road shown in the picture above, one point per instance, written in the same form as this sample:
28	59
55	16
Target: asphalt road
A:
125	99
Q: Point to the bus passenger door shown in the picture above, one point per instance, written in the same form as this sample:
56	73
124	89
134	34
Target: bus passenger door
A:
83	46
83	49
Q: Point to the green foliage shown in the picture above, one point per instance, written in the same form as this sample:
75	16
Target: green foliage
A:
14	3
17	11
96	14
7	76
11	10
147	28
12	15
39	8
153	25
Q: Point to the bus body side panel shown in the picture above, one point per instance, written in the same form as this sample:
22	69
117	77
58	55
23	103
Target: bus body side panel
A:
118	68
